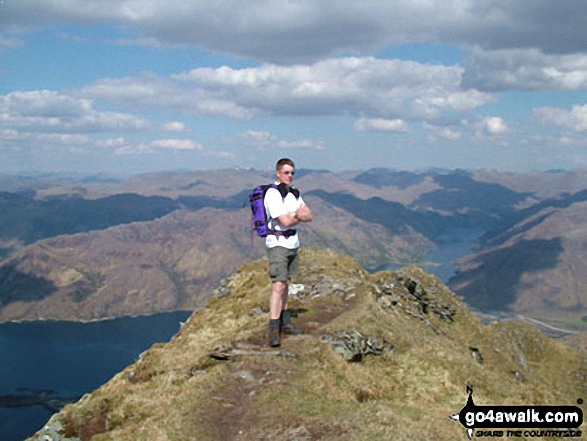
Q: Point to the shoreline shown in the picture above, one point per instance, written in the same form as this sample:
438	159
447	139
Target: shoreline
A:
89	321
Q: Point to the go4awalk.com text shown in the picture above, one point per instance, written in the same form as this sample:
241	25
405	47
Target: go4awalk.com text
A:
520	421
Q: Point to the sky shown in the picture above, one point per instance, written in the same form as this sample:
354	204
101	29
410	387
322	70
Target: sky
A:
134	86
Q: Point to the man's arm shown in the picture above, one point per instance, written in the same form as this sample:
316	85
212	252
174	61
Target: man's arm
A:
288	219
303	214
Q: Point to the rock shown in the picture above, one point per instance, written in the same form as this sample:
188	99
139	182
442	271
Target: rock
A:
384	302
245	375
476	353
222	291
413	299
228	352
299	434
418	292
353	346
258	312
52	431
445	312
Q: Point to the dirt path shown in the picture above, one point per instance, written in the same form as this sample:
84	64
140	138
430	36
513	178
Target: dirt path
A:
253	365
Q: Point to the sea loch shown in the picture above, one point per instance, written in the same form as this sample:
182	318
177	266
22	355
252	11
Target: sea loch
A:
43	364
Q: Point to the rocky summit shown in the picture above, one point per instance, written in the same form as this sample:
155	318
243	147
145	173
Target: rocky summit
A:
388	355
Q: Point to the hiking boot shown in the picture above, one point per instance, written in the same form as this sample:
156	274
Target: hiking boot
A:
286	325
290	329
274	337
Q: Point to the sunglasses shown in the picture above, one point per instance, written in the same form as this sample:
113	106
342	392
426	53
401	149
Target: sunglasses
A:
287	172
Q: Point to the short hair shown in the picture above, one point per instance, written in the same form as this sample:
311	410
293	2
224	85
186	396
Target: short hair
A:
282	162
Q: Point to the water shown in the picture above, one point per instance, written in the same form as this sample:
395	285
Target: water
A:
453	245
68	359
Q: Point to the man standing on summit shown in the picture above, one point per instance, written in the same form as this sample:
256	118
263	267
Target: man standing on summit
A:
285	209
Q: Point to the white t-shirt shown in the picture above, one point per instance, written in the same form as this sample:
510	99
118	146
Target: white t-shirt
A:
276	206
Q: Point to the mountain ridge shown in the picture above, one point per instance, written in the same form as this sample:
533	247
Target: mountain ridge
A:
167	264
534	267
380	216
383	356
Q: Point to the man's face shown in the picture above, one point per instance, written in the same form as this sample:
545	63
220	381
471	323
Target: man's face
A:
285	175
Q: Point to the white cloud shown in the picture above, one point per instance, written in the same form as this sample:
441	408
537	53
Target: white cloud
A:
124	147
76	39
443	132
10	42
9	134
177	144
264	140
382	125
49	111
378	88
64	138
148	42
151	92
524	69
43	119
574	119
130	149
111	142
306	30
495	126
174	126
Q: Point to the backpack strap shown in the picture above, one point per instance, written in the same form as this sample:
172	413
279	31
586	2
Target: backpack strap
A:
284	233
283	191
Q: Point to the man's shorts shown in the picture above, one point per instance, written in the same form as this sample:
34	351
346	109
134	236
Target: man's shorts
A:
283	263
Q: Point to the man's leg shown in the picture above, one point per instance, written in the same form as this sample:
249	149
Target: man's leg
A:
275	305
278	299
283	264
278	268
293	268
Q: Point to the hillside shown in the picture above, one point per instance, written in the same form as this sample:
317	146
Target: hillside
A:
535	267
171	263
382	356
95	247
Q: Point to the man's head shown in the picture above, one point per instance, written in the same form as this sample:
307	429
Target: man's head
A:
285	171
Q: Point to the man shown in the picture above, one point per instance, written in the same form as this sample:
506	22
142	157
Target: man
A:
285	209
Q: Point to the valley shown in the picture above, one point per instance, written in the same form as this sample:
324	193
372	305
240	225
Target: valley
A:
87	249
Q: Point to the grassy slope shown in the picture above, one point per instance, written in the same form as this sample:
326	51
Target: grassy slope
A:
176	391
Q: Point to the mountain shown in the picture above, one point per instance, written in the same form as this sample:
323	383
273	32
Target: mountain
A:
170	263
139	268
383	356
536	266
541	184
459	192
53	258
394	216
39	219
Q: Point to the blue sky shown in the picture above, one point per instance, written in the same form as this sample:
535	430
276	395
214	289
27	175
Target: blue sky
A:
121	86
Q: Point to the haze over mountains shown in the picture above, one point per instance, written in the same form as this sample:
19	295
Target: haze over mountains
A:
100	247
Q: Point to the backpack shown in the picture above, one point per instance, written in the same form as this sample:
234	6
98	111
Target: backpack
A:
259	219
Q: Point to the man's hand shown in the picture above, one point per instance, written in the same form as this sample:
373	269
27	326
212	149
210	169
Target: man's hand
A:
304	214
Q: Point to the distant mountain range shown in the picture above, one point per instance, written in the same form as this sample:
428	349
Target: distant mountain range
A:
89	248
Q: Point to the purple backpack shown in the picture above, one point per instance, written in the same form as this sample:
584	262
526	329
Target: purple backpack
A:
259	221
